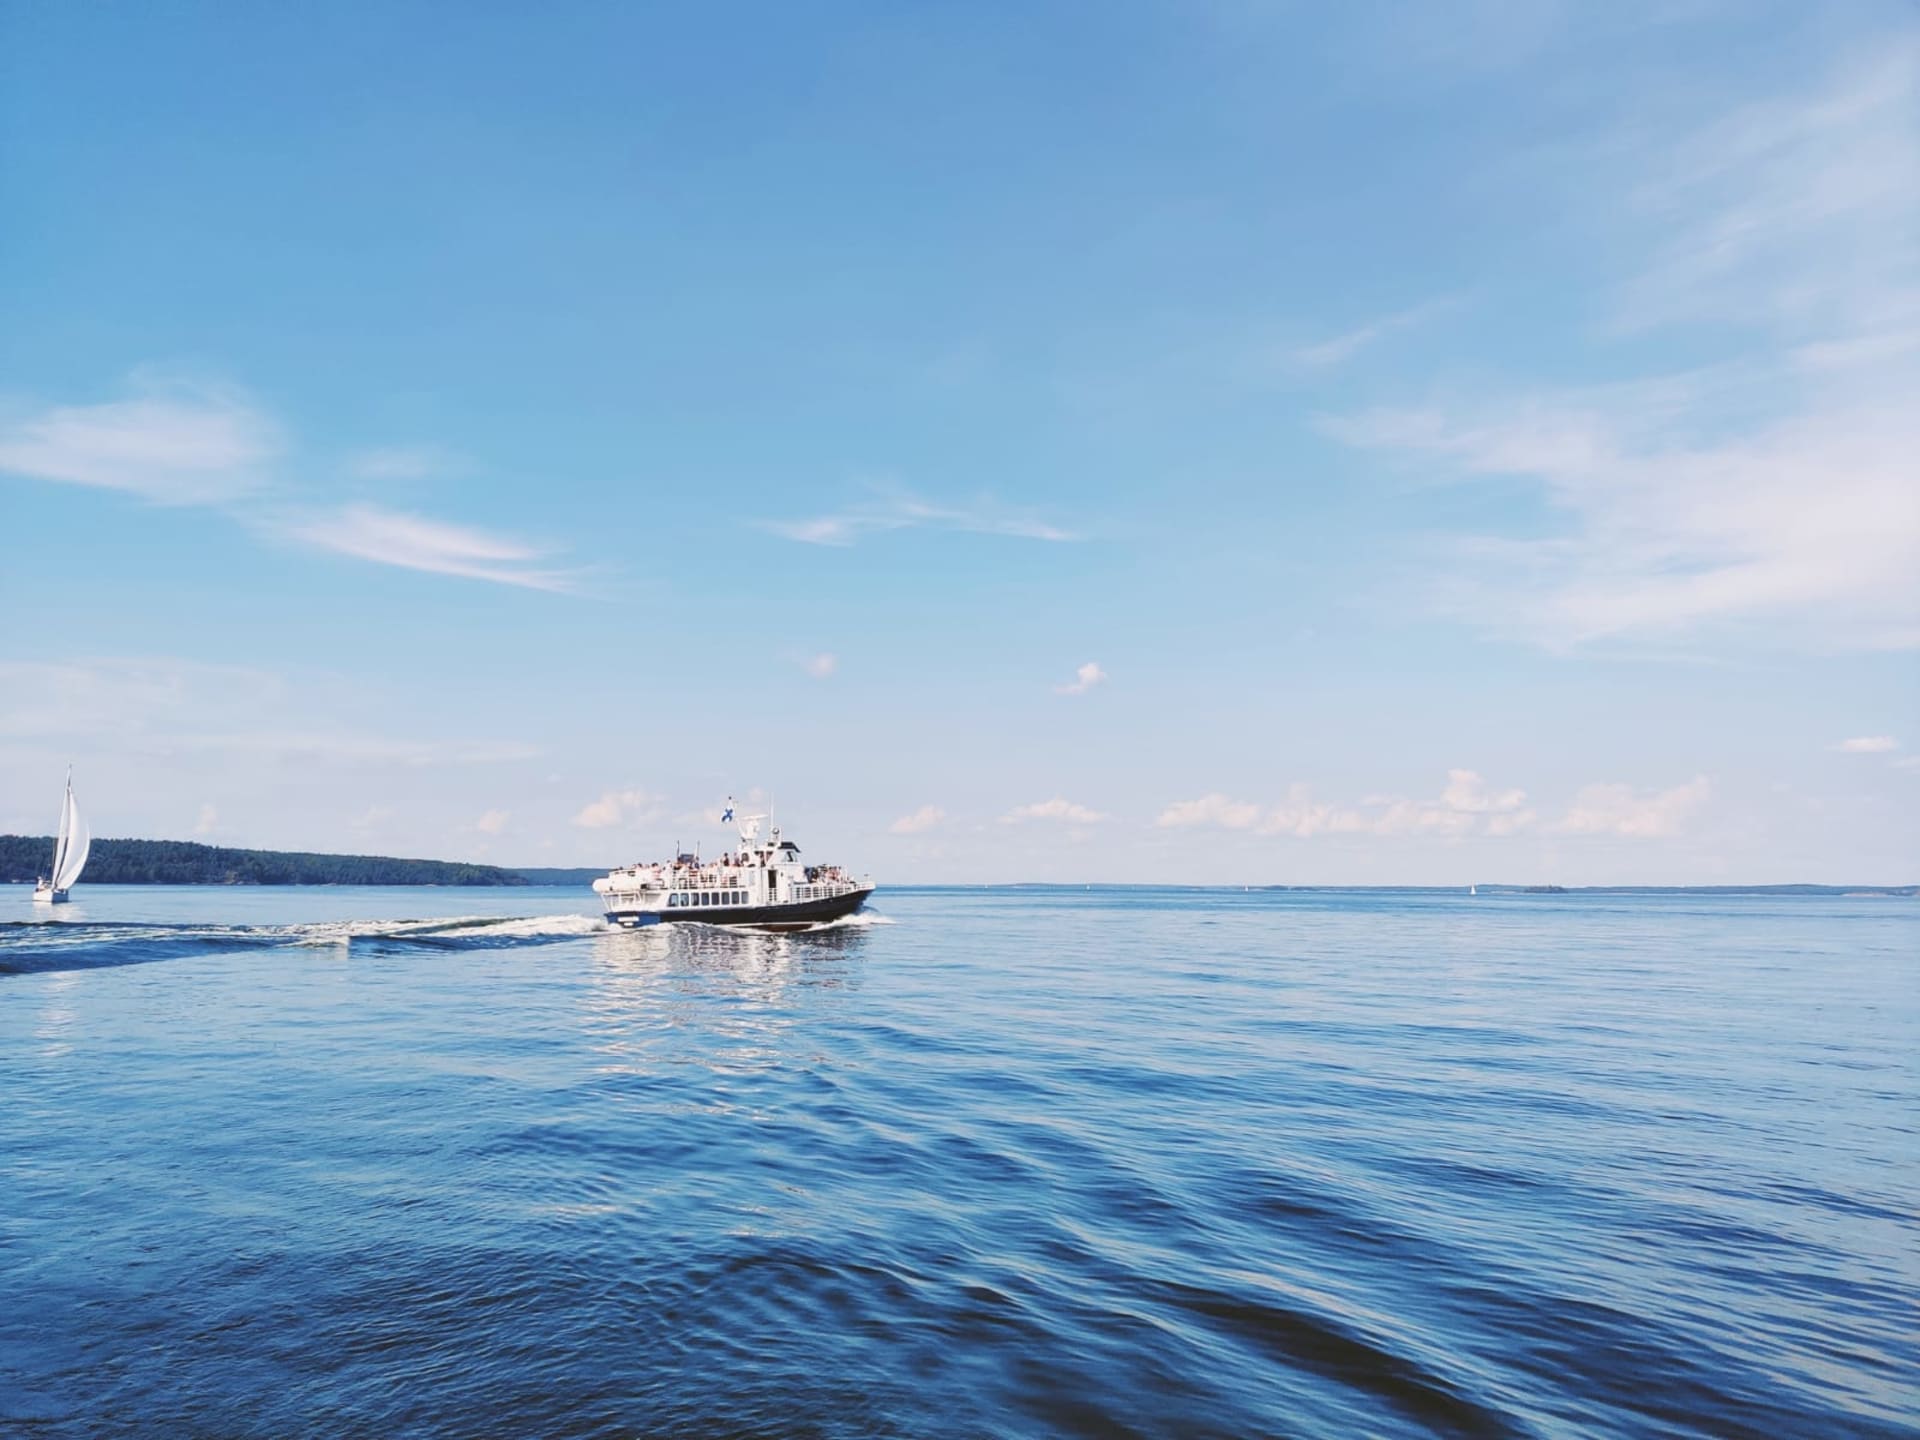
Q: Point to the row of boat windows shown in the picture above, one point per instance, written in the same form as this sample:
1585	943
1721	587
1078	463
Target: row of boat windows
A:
706	897
680	899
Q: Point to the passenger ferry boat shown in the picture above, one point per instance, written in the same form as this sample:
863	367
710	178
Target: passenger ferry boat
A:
763	883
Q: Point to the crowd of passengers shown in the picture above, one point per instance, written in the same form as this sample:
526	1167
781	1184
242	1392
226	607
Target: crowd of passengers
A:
725	872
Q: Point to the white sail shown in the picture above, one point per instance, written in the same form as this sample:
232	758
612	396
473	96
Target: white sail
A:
60	832
70	856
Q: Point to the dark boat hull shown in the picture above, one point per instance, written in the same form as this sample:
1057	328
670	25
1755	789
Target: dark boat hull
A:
801	915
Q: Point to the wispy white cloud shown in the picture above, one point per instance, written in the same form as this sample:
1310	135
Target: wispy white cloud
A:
401	462
173	444
894	509
1624	811
192	443
209	820
349	748
414	542
1338	349
1775	497
921	820
165	706
1796	211
1868	745
822	665
492	822
1809	527
1084	679
1054	809
632	806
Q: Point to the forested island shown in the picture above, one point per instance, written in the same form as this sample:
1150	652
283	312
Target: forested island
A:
24	859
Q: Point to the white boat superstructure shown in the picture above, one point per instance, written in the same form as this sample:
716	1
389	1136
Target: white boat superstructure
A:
762	883
70	848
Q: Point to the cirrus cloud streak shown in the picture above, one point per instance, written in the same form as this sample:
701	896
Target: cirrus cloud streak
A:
415	542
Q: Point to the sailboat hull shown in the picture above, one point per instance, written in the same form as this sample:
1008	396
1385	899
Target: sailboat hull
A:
47	895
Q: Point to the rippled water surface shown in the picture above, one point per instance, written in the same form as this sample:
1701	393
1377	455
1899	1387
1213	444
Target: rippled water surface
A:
1014	1162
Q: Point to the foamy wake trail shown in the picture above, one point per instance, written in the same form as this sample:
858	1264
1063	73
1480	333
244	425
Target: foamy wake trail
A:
859	920
453	928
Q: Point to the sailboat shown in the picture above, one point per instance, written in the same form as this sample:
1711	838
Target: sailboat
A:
69	853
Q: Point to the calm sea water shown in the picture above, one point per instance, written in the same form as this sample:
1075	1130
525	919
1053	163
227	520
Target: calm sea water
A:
998	1163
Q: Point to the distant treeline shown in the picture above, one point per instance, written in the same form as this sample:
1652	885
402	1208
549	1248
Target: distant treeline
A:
181	862
558	875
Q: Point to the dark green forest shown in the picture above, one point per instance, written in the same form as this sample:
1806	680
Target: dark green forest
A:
181	862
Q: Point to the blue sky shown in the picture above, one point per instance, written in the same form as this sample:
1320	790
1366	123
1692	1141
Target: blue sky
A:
1238	442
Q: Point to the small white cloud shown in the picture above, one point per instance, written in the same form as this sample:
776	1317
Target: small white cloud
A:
1054	809
1622	810
1868	745
414	542
1084	679
1215	809
174	445
209	819
1465	807
619	807
1468	793
821	666
491	823
375	817
925	818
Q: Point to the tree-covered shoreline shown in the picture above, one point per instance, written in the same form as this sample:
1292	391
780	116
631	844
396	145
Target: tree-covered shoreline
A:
24	859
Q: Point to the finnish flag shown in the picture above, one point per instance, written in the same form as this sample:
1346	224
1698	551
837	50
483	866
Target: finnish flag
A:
729	811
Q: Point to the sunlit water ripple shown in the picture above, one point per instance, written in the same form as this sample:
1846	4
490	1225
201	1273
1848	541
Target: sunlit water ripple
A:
1016	1162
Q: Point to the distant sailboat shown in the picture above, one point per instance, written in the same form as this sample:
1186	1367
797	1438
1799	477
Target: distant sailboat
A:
69	853
1473	889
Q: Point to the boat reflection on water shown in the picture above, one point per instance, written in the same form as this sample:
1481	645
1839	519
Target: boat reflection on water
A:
67	912
755	958
723	999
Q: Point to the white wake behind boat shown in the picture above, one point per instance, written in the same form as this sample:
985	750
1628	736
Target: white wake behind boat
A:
70	848
763	884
